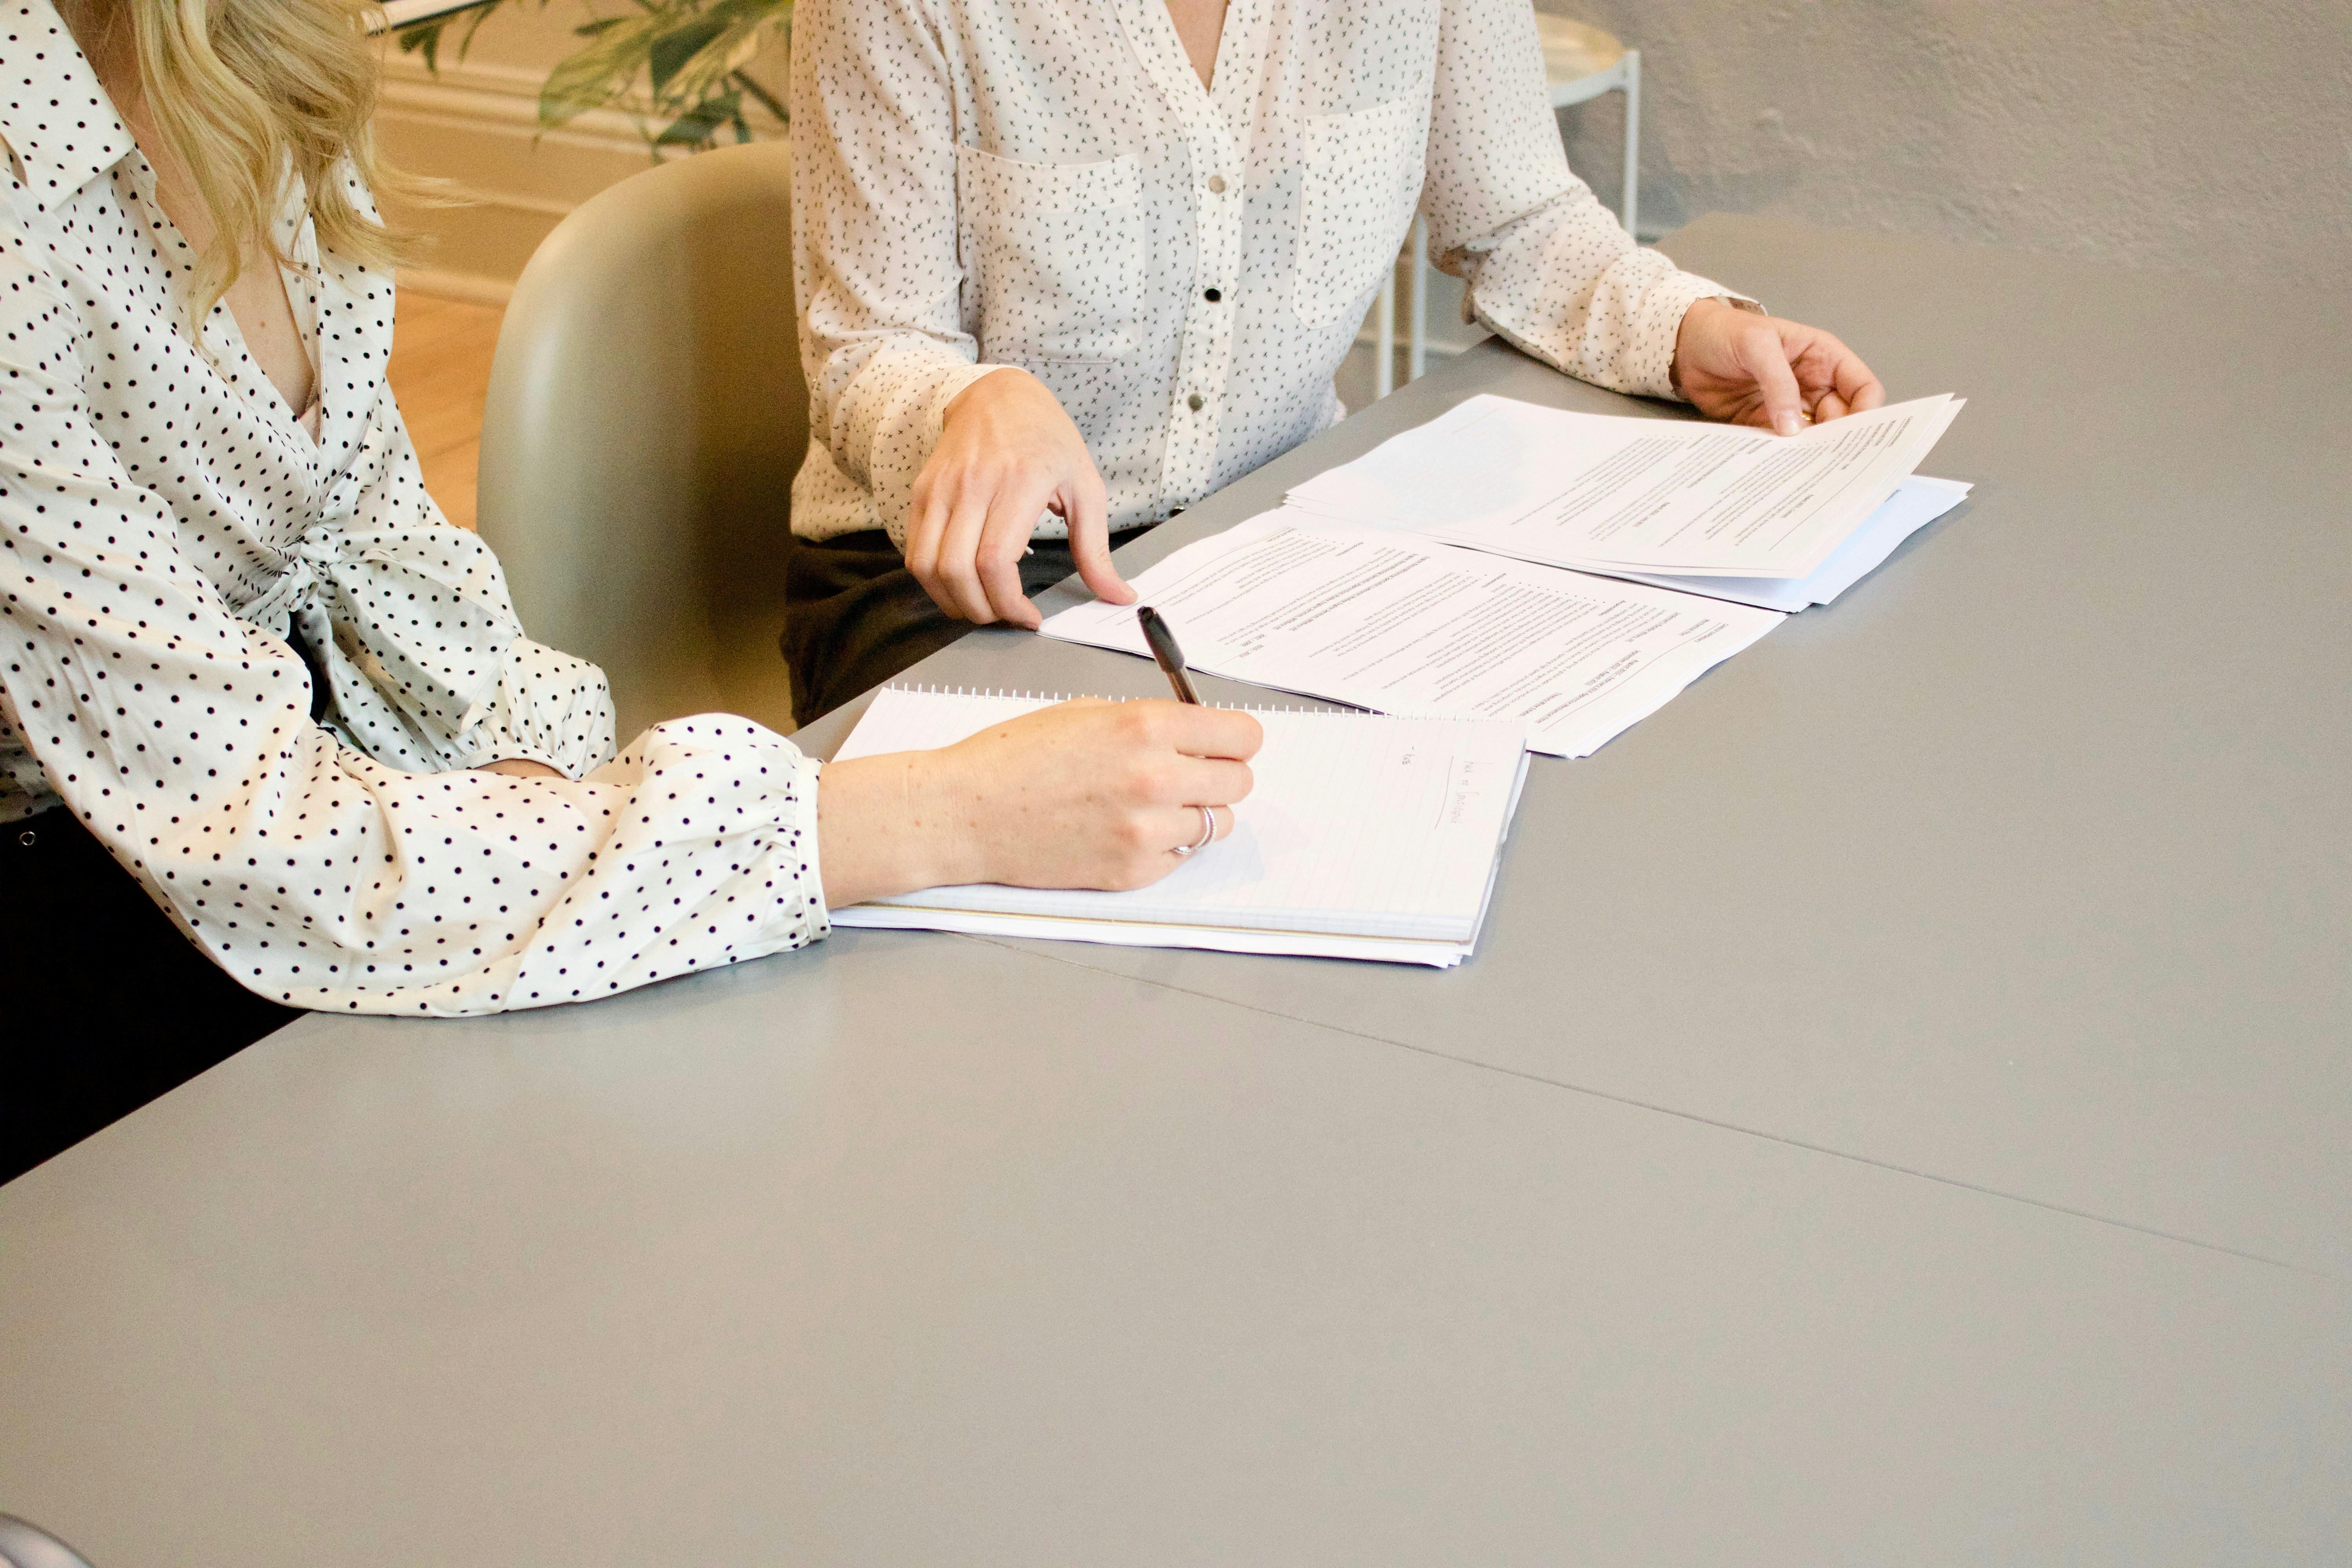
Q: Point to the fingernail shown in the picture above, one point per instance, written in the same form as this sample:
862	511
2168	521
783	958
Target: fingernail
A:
1786	424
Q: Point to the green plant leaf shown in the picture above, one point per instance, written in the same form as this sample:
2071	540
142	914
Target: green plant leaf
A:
721	41
689	53
426	37
766	99
676	47
698	126
423	37
592	77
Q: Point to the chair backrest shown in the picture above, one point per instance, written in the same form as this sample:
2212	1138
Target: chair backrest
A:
646	415
24	1545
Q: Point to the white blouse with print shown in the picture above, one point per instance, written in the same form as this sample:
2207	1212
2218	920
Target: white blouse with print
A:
1046	183
168	529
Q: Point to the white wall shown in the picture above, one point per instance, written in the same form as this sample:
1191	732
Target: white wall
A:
2188	135
2183	135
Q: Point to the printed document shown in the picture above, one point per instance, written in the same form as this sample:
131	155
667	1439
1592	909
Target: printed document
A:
1917	502
1617	494
1401	624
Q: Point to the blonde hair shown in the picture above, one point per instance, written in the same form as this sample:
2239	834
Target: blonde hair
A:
247	93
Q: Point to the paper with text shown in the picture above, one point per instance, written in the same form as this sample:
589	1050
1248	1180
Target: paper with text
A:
1612	493
1401	624
1917	502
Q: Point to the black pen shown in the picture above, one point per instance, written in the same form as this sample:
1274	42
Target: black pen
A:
1164	650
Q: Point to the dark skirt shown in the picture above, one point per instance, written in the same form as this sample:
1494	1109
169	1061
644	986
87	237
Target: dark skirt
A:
856	616
106	1005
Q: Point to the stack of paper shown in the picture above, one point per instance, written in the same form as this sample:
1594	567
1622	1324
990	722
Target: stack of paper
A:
1484	564
1917	502
1363	838
1401	624
1602	493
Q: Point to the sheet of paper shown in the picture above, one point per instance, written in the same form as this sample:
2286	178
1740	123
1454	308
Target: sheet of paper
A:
1916	503
1672	497
1123	933
1404	624
1357	827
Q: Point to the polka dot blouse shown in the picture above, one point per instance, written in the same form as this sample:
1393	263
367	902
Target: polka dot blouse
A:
170	533
1046	183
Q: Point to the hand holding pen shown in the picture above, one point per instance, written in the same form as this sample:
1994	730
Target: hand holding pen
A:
1171	659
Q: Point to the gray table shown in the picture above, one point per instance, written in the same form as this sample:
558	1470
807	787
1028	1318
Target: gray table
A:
1894	1116
2028	866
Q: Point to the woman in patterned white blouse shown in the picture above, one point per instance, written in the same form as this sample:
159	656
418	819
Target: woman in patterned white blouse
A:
1067	266
245	663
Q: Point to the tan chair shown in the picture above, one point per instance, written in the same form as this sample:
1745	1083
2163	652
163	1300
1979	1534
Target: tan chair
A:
645	416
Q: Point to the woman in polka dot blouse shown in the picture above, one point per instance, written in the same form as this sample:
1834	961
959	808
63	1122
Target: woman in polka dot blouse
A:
1067	266
270	737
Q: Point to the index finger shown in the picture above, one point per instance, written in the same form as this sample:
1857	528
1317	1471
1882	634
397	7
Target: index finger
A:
1199	732
1089	528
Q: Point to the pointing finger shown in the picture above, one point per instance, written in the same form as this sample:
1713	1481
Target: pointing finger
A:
1089	520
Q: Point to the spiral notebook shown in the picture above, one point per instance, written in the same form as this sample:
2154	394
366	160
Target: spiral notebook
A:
1363	836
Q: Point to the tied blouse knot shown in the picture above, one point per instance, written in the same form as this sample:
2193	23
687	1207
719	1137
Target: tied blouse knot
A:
247	652
416	614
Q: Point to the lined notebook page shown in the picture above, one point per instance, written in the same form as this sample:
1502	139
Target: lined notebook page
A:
1358	825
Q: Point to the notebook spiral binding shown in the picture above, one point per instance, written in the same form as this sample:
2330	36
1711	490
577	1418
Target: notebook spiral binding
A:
928	688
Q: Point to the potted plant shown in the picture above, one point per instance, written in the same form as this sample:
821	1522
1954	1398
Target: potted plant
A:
681	66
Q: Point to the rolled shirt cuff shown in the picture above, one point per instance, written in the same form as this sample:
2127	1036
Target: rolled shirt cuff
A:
1659	320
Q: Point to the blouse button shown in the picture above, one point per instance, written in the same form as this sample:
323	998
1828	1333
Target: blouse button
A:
1216	185
1213	295
1194	402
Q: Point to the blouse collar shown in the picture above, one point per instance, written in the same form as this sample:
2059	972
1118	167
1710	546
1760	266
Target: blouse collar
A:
53	114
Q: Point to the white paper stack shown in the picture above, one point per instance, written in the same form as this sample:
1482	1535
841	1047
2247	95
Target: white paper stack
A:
1363	838
1655	497
1401	624
1569	572
1917	502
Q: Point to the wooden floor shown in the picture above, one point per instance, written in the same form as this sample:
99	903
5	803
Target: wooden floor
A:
440	371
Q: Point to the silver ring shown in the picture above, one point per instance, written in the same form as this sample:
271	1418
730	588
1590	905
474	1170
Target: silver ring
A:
1208	831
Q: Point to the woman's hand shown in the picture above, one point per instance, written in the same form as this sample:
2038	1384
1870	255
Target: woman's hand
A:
1085	794
1748	369
1007	453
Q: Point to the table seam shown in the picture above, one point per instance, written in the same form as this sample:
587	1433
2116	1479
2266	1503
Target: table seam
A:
1691	1116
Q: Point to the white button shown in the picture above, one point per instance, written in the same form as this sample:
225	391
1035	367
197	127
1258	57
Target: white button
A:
1216	185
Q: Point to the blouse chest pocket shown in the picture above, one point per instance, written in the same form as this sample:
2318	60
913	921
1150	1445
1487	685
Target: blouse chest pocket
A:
1359	179
1054	252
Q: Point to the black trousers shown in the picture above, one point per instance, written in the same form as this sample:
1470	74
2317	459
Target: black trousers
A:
103	1004
856	616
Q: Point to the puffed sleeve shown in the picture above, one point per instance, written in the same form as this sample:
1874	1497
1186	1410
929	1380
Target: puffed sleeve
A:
181	736
875	255
1549	268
